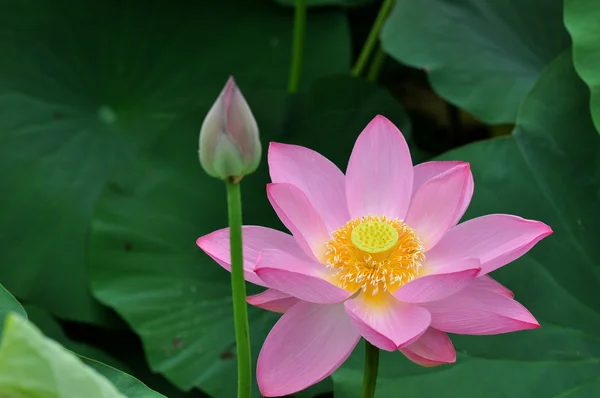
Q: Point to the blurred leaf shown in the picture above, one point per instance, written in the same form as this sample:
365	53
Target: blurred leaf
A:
324	3
86	88
52	329
9	304
482	56
547	170
582	21
33	366
128	385
144	260
130	360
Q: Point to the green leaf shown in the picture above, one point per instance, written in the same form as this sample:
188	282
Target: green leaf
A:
32	366
114	370
9	304
86	88
52	329
144	260
325	3
581	20
482	56
126	384
330	116
547	170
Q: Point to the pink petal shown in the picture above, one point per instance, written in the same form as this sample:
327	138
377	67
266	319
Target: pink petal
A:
302	279
479	312
387	324
254	240
440	283
300	217
305	346
425	171
495	240
379	176
433	348
486	282
272	300
437	204
320	180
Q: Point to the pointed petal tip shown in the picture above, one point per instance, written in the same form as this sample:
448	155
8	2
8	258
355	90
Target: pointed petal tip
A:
380	120
230	81
531	322
462	167
547	230
273	146
228	90
424	362
205	240
527	321
544	229
272	300
269	188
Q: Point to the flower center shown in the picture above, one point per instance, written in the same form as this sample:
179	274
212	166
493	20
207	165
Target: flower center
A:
375	254
374	236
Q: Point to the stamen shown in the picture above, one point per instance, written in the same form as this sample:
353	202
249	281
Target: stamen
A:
374	254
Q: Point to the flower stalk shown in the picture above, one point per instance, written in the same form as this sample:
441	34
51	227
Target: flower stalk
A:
365	54
376	65
297	46
371	368
238	288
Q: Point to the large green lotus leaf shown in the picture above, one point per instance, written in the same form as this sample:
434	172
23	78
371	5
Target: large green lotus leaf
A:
113	369
53	330
483	56
581	20
86	88
330	116
145	263
33	366
126	384
9	304
547	170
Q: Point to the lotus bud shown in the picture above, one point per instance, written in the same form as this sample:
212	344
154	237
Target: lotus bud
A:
229	142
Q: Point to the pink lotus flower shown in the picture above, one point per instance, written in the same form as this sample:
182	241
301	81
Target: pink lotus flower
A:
374	253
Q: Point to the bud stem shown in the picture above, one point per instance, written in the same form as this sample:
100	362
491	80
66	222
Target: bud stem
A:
371	368
376	65
298	46
238	288
371	41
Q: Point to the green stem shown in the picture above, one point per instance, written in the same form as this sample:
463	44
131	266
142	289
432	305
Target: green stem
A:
376	65
238	288
367	49
371	367
298	46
